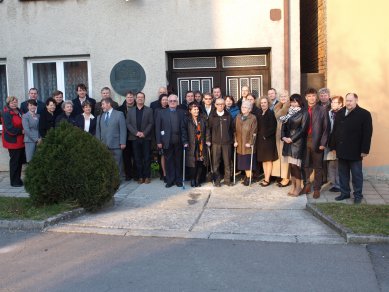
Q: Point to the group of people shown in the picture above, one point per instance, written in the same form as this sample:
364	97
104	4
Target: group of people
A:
288	137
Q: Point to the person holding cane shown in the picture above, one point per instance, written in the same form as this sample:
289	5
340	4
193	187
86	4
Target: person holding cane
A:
245	128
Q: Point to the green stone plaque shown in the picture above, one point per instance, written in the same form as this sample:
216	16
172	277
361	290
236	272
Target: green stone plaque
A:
127	75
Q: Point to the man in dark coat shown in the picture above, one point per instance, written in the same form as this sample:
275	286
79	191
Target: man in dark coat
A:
168	135
128	154
318	131
351	139
81	97
105	93
219	136
33	94
140	123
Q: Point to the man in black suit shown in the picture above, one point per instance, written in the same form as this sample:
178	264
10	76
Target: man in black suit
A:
81	97
33	94
168	136
140	122
351	139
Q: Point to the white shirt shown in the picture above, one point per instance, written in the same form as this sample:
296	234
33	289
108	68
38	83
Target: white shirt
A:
220	114
87	122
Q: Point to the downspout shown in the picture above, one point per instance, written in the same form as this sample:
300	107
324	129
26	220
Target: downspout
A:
286	46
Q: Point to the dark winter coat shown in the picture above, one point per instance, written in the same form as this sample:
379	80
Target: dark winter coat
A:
63	117
352	133
46	122
295	128
189	131
266	136
220	129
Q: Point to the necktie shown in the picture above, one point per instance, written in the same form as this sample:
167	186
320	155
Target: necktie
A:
106	118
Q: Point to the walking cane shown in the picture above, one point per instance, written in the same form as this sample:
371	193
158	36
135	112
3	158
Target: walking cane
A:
234	165
183	170
210	164
251	160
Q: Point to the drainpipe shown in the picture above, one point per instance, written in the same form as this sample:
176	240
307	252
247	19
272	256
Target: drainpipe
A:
286	46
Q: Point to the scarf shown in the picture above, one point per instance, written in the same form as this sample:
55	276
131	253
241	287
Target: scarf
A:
291	112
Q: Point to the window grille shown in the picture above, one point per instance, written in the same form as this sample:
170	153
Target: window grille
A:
244	61
194	63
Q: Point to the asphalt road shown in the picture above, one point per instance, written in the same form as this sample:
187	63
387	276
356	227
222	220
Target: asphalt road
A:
82	262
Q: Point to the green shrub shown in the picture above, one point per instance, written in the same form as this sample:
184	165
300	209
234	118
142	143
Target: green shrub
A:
72	165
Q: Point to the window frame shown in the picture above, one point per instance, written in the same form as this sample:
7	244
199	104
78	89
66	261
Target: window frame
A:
59	64
4	62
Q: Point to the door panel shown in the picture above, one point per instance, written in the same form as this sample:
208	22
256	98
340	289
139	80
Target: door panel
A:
203	84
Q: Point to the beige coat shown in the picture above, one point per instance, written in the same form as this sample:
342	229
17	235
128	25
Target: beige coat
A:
280	166
244	131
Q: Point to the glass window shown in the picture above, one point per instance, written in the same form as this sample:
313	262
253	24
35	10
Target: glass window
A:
48	75
3	85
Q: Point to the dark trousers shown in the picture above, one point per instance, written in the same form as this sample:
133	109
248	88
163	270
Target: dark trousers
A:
16	160
219	152
141	151
195	172
173	157
355	167
129	161
313	161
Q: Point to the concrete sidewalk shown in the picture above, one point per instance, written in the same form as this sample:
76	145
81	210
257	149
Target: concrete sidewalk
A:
242	213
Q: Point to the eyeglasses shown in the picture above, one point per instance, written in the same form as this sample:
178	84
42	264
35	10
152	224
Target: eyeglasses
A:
172	100
219	103
207	98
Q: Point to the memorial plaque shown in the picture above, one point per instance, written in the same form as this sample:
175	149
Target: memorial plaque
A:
127	75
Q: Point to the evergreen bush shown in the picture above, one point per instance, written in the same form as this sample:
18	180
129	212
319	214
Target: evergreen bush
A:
72	165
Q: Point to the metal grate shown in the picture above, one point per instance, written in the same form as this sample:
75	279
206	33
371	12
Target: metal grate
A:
256	86
194	63
244	61
233	88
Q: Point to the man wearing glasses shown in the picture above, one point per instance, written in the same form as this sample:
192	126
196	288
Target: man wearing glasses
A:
208	106
219	136
168	136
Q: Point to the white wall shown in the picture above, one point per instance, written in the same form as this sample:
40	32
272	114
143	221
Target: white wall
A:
141	30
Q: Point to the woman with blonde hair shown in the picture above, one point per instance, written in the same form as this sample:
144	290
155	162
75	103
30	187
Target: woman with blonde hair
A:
266	139
13	139
281	165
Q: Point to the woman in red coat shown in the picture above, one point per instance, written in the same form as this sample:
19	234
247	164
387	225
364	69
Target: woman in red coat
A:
13	137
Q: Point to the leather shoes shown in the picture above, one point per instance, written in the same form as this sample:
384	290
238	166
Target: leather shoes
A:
342	197
306	190
140	181
18	185
179	184
193	183
146	180
218	184
316	194
357	201
168	185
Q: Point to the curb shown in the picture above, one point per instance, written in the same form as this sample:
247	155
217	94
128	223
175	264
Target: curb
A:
29	225
345	232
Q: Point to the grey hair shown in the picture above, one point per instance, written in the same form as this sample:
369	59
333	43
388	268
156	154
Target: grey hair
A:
324	90
65	103
247	104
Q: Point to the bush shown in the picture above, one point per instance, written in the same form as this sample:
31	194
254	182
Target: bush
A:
72	165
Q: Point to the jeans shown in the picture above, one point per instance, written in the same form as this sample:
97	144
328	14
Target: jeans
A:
355	167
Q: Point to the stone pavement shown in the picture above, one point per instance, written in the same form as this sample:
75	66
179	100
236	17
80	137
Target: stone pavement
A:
241	213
